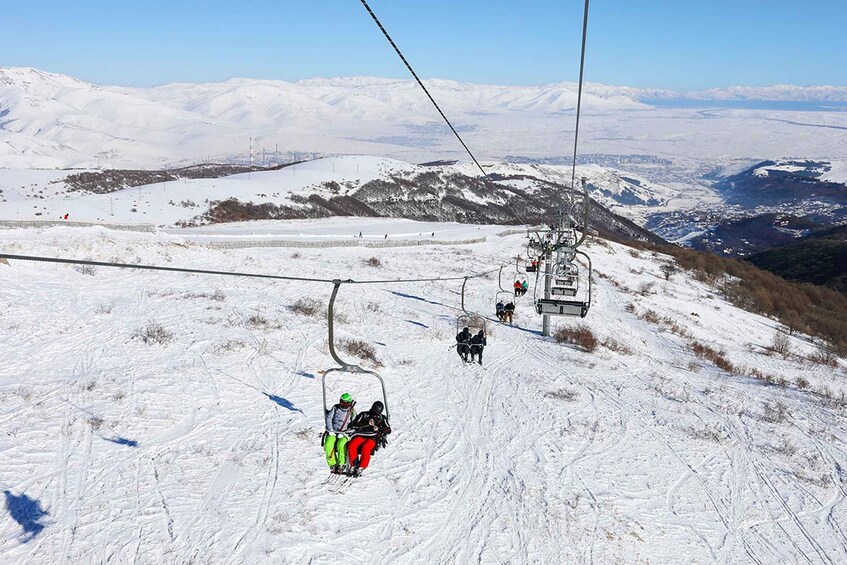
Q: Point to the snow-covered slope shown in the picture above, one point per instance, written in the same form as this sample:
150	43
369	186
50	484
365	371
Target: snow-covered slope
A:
33	195
204	447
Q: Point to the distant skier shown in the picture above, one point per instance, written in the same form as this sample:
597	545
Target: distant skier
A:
335	437
463	342
499	310
509	312
478	343
369	430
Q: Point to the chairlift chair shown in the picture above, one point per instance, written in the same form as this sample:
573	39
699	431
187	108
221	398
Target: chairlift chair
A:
343	366
563	307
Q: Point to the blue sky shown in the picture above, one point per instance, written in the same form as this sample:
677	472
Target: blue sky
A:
678	44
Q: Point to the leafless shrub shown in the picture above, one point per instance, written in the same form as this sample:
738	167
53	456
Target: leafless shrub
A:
580	335
230	345
105	308
307	307
612	344
646	289
90	386
296	255
650	316
372	306
630	307
373	262
774	412
362	350
154	332
95	422
824	355
668	270
801	383
406	362
781	344
218	296
712	433
118	396
86	270
785	447
258	321
563	394
664	388
634	253
716	357
694	366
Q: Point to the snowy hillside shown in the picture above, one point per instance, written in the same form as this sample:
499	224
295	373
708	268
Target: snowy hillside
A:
377	186
166	418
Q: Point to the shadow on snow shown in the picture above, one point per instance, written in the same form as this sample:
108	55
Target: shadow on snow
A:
122	441
282	402
27	512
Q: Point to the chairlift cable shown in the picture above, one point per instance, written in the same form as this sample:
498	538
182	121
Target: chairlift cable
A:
229	273
579	93
420	83
434	103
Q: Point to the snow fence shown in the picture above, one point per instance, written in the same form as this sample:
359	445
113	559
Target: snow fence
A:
339	243
65	223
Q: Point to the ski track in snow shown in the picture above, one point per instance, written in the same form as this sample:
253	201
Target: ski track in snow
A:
545	454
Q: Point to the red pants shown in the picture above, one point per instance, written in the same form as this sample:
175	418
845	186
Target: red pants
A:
367	444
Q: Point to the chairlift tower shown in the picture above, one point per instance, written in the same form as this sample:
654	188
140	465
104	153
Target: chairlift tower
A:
561	275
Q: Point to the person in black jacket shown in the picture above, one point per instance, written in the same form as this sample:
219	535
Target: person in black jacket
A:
478	342
369	430
509	312
463	342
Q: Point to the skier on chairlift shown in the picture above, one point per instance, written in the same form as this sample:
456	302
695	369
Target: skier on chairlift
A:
463	342
524	287
509	312
499	310
478	343
369	430
518	288
335	437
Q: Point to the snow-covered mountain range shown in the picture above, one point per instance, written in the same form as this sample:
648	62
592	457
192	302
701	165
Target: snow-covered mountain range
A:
50	120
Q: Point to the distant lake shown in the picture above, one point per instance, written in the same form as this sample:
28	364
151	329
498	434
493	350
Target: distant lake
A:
794	106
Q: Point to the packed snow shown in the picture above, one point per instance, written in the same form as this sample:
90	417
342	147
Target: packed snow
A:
199	441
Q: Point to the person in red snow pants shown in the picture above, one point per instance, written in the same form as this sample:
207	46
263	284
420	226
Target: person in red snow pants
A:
366	444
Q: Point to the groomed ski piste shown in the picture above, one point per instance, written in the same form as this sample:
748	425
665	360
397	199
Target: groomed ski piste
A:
153	417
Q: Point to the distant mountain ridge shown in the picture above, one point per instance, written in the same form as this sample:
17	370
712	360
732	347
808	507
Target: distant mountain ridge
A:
49	120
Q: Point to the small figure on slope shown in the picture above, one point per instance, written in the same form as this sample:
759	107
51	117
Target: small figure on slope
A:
369	430
335	437
478	342
463	343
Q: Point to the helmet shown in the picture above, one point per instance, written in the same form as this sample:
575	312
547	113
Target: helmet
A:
345	399
377	408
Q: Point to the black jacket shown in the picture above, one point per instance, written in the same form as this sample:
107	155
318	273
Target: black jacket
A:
510	307
479	341
463	337
362	426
